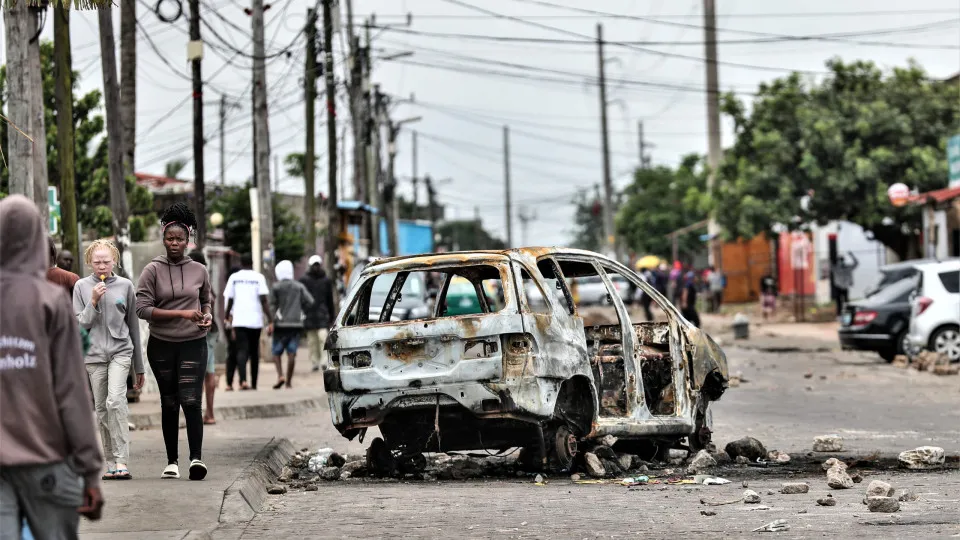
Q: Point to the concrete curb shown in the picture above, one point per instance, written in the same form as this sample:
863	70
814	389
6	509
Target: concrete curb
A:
239	412
248	493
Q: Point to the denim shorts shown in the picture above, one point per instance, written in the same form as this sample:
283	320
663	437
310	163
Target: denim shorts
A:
286	339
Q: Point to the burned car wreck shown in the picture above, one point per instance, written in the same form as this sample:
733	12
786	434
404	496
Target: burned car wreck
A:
525	368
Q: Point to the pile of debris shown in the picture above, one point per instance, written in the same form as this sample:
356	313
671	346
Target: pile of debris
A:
934	362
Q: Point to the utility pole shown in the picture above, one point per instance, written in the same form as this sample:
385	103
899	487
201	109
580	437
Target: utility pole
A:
195	54
65	138
432	204
128	81
276	173
390	191
331	94
38	129
713	120
506	183
373	162
416	179
354	91
118	187
525	217
370	129
608	233
644	158
309	156
261	135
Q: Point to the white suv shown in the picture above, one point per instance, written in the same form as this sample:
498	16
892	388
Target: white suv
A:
935	309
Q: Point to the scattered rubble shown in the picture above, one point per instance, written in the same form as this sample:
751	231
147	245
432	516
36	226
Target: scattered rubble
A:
778	456
833	462
883	504
794	488
930	361
747	447
908	496
707	513
330	473
779	525
276	489
857	477
702	461
828	443
593	465
708	480
751	497
827	501
922	458
878	488
837	477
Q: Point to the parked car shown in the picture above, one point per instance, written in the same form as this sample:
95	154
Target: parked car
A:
516	375
879	322
892	273
593	292
462	298
935	309
414	300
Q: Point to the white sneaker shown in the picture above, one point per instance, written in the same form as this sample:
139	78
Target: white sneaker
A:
172	471
198	471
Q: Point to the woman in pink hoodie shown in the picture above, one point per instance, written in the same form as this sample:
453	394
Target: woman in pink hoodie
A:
173	294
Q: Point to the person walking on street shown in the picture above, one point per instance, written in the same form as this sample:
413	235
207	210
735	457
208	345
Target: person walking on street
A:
320	314
173	294
715	283
688	298
645	299
247	311
843	280
50	461
210	379
104	305
291	299
768	295
231	342
57	275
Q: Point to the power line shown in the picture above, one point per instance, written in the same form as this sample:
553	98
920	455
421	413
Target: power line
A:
774	38
745	15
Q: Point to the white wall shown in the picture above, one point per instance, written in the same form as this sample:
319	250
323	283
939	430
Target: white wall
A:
871	255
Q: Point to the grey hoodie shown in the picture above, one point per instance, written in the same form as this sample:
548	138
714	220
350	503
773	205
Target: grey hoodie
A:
44	394
181	285
112	323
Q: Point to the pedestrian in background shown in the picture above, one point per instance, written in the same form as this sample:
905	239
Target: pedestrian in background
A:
65	260
645	299
173	294
57	275
768	295
50	461
319	315
291	300
104	305
843	280
248	311
210	379
688	298
715	282
231	342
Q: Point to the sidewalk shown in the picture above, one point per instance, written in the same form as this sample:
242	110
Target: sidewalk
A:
802	336
305	396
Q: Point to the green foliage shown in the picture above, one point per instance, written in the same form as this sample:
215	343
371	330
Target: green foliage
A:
288	231
296	164
467	235
661	200
588	222
842	141
90	161
173	168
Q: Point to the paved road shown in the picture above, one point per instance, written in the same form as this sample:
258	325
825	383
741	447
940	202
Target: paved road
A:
873	406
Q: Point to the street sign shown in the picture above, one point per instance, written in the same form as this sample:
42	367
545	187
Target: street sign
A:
953	160
54	207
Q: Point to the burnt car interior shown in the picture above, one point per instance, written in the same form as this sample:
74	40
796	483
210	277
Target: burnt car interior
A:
481	277
606	347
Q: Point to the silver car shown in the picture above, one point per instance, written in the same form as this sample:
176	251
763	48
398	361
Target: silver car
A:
524	372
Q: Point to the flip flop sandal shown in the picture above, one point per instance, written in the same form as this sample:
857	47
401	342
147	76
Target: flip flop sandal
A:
109	475
123	474
209	421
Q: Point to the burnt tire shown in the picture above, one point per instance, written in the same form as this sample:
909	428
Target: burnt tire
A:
702	436
562	447
380	460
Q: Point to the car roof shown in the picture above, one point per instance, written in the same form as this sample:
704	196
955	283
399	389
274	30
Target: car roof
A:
953	264
473	257
904	265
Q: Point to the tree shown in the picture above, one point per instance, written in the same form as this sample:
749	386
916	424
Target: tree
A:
588	221
173	168
659	201
467	235
841	142
234	205
90	165
296	164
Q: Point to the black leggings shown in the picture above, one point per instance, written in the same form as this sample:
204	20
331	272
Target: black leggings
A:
248	347
179	368
231	358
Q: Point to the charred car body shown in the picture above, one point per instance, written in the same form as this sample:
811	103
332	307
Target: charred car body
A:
524	371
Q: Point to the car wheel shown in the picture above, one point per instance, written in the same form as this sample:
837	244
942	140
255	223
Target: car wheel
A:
702	436
946	340
562	447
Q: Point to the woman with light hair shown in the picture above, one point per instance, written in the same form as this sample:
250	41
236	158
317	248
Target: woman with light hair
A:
105	306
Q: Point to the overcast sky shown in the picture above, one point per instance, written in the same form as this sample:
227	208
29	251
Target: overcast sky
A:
554	117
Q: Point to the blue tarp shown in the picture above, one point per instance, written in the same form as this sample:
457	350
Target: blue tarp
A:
414	237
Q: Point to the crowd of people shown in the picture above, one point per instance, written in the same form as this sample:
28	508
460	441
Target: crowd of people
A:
69	345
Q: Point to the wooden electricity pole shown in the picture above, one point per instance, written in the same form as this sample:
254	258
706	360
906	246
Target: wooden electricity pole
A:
331	94
128	82
199	187
714	150
118	187
65	138
508	206
261	135
309	155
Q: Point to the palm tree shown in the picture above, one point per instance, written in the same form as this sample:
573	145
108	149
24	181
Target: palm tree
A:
174	168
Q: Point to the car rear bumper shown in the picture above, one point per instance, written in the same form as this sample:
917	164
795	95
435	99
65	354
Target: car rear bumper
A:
863	341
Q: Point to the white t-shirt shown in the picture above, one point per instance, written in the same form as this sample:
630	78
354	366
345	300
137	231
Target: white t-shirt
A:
245	288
